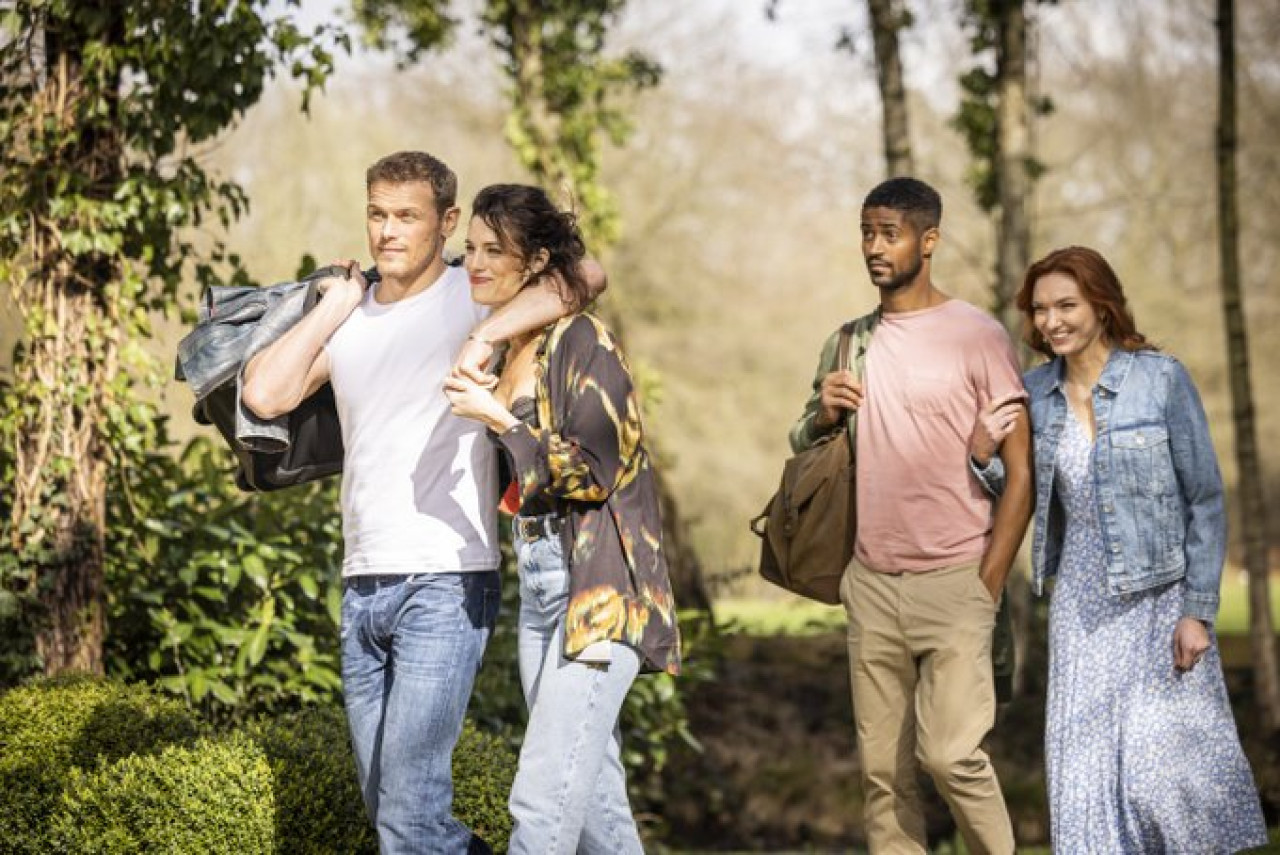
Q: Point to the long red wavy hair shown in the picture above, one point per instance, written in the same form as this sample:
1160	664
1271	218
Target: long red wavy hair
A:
1099	285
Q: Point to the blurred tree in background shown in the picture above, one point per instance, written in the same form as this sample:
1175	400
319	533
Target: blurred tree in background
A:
1262	634
101	202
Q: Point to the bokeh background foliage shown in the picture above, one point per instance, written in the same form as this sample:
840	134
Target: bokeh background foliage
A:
718	152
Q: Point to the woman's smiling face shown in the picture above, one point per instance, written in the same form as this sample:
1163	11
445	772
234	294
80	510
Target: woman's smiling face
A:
497	274
1061	314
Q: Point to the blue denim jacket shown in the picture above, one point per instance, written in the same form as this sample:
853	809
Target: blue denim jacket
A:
1158	489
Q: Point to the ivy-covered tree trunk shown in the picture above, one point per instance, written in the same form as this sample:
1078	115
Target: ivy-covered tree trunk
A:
1013	180
60	476
887	18
1253	510
63	381
995	119
95	100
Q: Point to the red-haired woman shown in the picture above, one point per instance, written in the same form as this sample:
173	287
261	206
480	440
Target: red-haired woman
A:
1140	745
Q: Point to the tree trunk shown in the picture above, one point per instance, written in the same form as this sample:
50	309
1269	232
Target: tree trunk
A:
887	17
1013	252
60	476
1013	182
65	379
1253	516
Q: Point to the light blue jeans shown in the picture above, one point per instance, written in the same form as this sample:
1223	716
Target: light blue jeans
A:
570	791
411	646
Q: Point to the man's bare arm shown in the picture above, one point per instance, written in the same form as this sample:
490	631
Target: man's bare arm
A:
1013	509
294	366
531	309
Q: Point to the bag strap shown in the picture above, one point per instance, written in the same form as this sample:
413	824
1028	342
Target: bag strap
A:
843	346
856	331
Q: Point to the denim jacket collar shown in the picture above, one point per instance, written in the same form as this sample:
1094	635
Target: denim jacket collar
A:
1112	377
1116	370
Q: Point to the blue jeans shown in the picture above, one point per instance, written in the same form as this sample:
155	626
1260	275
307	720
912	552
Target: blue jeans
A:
570	791
411	646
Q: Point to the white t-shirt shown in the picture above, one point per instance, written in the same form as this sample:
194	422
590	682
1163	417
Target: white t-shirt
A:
419	484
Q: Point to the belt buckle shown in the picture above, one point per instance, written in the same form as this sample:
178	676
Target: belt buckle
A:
537	528
530	529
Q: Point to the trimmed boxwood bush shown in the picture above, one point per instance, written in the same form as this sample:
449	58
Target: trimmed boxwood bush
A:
319	809
49	727
214	797
483	769
96	766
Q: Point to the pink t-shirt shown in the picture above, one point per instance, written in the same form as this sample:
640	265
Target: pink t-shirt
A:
927	374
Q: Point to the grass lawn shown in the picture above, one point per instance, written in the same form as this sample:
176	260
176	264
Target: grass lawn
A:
957	848
792	615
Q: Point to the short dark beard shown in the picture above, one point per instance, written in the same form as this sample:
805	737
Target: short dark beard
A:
902	278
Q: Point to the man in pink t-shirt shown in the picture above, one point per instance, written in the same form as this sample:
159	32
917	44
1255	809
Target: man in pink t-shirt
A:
932	549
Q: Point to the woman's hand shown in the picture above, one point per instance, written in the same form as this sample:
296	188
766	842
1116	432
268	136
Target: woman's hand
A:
471	400
995	422
1190	641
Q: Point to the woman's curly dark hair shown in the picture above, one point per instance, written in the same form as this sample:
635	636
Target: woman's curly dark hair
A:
526	221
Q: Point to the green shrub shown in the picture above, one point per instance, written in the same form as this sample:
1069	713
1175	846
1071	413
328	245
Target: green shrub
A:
213	797
228	599
96	766
483	769
49	727
317	798
319	809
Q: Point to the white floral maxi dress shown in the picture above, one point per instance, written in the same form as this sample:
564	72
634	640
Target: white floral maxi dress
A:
1141	759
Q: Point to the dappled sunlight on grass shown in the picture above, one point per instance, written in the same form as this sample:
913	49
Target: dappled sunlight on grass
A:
785	615
790	615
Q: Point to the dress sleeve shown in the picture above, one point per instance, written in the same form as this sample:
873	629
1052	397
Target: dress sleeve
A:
595	436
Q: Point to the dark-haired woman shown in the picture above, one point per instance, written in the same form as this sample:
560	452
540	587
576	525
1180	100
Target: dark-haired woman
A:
596	605
1140	745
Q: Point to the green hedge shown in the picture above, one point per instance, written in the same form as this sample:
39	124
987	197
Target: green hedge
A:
483	769
50	727
318	805
310	755
102	767
214	797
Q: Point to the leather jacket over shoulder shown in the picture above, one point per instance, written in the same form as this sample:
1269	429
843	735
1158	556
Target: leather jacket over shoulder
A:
233	325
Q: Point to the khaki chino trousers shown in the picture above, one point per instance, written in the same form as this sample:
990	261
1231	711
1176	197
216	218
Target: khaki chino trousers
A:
920	669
